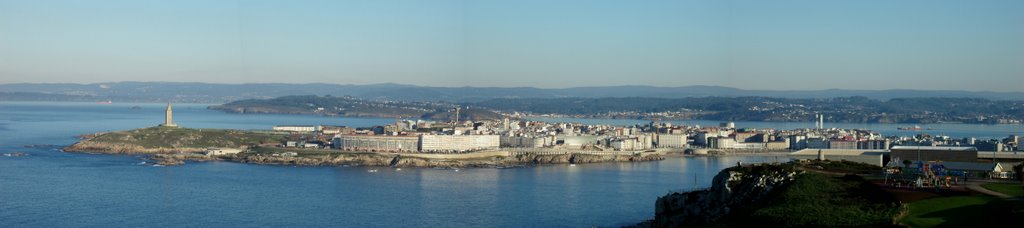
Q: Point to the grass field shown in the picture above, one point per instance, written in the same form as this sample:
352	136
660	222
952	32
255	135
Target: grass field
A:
822	200
1014	189
168	137
963	211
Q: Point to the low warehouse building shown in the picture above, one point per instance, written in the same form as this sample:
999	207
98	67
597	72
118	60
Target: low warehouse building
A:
872	157
935	153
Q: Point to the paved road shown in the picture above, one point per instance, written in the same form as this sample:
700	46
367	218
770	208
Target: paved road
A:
976	186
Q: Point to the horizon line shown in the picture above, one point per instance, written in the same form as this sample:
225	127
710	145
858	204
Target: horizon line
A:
512	87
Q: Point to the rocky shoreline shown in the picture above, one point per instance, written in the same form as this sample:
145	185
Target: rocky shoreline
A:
89	146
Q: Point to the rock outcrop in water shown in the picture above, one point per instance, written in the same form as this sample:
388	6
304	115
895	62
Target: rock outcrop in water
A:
730	189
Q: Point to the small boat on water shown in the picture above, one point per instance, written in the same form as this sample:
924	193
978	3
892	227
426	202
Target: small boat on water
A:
15	154
372	171
572	165
914	128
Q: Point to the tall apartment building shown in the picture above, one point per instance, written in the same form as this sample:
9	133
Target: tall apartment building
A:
458	143
671	141
376	143
838	144
879	144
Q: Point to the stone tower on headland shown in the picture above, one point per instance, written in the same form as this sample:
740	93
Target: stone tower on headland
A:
168	117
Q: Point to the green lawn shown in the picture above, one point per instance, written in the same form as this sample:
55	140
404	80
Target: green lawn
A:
820	200
965	211
169	137
1015	189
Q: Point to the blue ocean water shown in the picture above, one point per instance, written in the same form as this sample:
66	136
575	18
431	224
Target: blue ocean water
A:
50	188
980	131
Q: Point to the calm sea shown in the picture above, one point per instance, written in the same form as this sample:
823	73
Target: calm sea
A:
49	188
980	131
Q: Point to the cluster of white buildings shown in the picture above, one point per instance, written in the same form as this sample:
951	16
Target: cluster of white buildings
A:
466	136
728	137
1009	143
433	137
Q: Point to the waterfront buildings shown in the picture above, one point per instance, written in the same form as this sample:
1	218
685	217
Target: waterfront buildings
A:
297	128
420	136
335	130
842	145
457	143
577	140
876	144
525	141
222	151
376	143
672	141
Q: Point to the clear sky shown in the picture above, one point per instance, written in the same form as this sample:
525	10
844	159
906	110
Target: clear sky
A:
756	44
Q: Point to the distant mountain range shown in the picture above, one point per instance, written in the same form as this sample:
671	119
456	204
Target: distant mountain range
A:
354	107
223	93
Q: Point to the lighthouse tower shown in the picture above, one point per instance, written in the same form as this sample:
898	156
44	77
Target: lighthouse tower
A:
168	117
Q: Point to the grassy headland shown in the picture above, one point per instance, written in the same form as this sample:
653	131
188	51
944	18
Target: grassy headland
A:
831	194
821	200
157	140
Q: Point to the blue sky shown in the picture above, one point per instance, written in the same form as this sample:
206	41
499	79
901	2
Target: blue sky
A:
779	45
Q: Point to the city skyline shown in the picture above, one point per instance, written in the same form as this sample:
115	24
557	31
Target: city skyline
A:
781	45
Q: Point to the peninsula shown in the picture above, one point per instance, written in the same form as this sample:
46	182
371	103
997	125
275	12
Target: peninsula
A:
174	146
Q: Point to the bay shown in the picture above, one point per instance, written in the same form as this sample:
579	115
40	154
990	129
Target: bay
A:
955	130
50	188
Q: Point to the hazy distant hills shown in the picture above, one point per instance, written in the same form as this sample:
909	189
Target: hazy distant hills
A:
222	93
353	107
842	109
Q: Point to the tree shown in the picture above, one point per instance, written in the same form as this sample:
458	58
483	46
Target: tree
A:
1019	169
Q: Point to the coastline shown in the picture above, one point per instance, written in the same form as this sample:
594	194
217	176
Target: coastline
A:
327	157
643	118
175	146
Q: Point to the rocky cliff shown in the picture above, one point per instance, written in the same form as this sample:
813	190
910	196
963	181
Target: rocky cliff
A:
730	189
